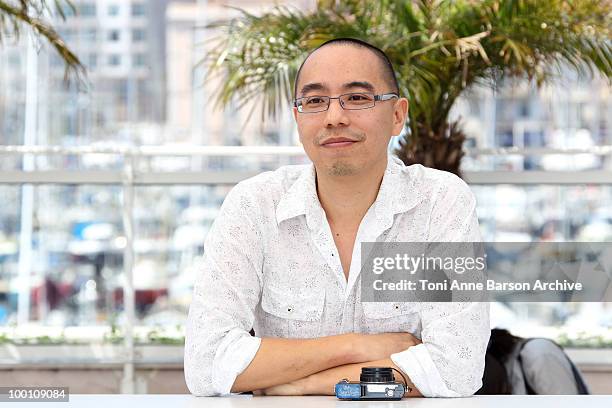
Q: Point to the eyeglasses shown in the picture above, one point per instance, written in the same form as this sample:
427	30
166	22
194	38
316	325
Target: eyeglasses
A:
348	101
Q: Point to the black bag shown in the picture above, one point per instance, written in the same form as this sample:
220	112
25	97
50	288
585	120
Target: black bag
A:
495	378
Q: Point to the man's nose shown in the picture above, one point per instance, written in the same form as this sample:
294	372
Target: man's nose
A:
335	114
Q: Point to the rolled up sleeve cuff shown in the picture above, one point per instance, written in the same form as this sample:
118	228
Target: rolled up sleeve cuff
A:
233	356
416	362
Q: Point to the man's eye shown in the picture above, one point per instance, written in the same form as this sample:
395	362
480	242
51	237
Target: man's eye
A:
314	100
358	97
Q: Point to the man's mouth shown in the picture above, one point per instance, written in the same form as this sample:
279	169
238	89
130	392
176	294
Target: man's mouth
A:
338	142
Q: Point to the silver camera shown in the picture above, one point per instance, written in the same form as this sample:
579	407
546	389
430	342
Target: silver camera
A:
375	383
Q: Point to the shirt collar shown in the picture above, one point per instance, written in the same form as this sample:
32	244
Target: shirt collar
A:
398	193
301	199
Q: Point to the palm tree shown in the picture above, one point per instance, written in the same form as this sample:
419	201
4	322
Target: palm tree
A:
438	48
15	15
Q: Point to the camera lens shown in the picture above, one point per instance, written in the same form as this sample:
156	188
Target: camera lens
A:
376	374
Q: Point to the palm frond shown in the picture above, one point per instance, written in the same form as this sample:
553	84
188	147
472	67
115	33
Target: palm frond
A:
15	16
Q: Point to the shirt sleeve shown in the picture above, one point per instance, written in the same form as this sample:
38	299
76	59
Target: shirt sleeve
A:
450	360
218	346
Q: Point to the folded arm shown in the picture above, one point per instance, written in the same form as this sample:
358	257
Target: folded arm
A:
284	360
322	383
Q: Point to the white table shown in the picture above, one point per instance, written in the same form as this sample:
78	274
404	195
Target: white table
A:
189	401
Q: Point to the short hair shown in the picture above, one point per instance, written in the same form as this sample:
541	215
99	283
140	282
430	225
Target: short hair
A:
388	71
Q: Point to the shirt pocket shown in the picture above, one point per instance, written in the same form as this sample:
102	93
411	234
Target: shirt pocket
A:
292	316
390	317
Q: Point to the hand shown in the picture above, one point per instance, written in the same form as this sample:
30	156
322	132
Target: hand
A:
380	346
293	388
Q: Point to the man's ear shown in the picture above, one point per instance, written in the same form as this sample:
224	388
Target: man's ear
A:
400	113
295	116
295	113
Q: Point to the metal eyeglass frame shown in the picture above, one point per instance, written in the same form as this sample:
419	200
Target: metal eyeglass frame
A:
381	97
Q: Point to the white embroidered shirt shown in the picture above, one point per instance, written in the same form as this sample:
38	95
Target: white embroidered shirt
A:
271	264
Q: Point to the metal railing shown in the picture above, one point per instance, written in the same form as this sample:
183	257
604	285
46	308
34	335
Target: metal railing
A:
132	155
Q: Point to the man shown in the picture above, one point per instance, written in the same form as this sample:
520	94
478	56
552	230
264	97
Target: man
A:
283	257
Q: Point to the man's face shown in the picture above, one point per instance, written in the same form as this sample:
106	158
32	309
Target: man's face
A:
346	142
